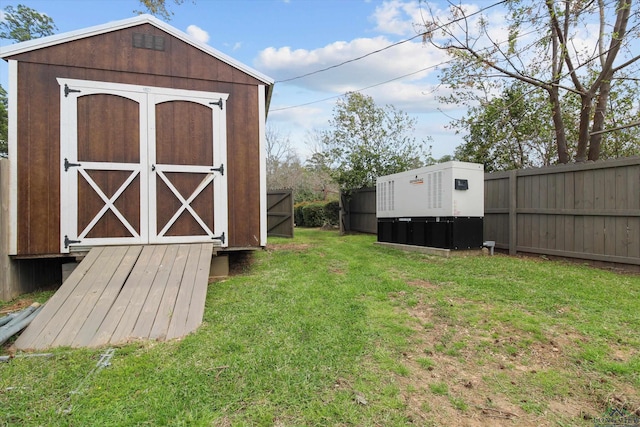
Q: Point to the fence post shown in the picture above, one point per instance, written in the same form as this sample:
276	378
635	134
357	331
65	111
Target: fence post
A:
513	211
344	214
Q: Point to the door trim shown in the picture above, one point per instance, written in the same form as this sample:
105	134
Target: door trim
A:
147	97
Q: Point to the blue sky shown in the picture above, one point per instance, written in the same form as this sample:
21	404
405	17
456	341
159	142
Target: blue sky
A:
283	39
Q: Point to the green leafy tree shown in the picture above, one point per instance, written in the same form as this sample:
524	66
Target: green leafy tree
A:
514	130
367	141
23	23
510	131
546	48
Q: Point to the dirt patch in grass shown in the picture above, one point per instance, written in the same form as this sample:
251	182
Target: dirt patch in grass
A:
240	262
489	373
293	247
15	306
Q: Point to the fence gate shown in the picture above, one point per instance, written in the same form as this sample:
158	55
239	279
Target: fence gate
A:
280	213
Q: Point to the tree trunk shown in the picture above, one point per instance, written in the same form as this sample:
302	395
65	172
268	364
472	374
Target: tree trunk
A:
561	137
583	131
595	141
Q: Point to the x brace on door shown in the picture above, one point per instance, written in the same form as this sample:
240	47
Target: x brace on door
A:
186	203
109	203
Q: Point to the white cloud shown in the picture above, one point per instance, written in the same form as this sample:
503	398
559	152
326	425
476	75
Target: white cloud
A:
284	63
404	76
198	33
399	17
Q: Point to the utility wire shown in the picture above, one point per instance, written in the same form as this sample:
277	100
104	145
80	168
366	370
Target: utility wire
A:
566	74
377	84
391	45
364	88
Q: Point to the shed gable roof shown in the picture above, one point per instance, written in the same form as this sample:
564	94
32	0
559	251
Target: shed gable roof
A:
30	45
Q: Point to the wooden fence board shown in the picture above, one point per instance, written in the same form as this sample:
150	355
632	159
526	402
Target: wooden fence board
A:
591	209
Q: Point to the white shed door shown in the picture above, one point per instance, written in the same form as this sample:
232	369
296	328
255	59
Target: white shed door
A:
141	165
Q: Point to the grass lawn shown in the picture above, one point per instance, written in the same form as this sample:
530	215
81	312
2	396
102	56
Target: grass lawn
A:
332	330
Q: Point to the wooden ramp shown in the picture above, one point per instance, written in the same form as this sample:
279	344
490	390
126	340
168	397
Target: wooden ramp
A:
125	293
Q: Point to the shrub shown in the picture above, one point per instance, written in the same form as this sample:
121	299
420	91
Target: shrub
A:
332	212
298	216
313	214
316	214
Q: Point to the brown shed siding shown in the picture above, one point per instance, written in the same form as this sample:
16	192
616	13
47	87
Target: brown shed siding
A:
111	57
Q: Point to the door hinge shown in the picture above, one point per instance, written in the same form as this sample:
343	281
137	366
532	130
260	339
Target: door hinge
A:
220	169
220	237
68	90
68	242
218	103
68	165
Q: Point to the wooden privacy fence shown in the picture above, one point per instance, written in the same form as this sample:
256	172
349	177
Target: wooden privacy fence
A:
588	211
358	211
280	213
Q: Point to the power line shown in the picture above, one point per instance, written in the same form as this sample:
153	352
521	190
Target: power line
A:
364	88
375	85
566	74
391	45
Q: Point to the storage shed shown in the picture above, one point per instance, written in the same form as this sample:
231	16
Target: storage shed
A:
133	133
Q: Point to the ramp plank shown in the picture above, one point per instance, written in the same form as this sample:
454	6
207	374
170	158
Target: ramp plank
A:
117	294
111	321
149	310
140	281
28	338
107	299
199	295
167	306
179	319
112	257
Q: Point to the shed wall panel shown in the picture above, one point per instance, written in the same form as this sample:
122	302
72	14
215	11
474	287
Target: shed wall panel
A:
39	127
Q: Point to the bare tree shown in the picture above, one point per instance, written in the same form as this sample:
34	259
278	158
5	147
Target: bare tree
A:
545	49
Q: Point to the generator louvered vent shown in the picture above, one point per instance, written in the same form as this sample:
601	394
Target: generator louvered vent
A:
148	41
385	196
434	190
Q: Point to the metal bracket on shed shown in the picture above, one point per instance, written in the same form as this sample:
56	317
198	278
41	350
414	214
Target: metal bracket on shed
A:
68	165
220	237
68	90
220	169
218	103
68	242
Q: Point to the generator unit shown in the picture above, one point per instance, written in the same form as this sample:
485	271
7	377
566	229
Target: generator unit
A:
439	206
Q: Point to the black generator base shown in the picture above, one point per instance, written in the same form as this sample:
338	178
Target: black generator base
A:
454	233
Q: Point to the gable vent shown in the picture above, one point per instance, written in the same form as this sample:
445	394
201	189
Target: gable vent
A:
148	41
